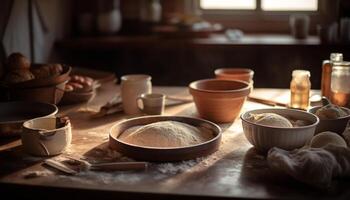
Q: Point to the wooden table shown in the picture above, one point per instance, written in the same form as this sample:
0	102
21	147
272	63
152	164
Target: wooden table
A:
235	171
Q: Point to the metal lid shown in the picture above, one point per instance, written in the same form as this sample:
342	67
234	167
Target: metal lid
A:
299	72
336	57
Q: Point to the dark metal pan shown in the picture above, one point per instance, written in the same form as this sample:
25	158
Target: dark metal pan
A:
13	114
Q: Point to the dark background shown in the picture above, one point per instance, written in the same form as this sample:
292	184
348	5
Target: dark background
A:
170	61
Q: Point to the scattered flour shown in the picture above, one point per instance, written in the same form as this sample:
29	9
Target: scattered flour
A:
174	168
36	174
166	134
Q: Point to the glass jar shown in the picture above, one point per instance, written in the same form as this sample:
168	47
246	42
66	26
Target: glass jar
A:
340	84
326	73
300	89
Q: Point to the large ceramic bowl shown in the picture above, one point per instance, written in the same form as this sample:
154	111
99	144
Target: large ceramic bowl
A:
264	137
335	125
219	100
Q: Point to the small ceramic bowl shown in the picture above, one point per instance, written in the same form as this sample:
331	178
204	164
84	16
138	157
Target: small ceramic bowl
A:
243	74
264	137
333	125
46	136
219	100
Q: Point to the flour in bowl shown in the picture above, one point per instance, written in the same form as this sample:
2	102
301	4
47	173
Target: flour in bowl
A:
166	134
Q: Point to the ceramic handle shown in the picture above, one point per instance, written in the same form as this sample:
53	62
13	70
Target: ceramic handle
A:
45	135
140	99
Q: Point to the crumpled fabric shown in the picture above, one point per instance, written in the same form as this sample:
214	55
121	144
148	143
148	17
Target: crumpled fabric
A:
314	166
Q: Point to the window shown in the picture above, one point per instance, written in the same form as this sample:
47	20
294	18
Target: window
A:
231	4
265	5
265	16
289	5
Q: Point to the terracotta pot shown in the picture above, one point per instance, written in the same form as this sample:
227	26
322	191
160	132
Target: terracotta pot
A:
219	100
243	74
46	94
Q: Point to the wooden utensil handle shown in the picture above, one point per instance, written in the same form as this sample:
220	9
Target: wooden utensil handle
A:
119	166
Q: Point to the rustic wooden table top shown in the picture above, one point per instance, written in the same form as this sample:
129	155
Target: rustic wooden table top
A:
235	171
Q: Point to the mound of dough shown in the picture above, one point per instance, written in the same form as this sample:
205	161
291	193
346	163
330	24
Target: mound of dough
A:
322	139
270	119
331	111
165	134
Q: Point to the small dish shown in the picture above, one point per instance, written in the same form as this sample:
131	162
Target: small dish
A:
77	97
159	154
334	125
46	136
219	100
264	137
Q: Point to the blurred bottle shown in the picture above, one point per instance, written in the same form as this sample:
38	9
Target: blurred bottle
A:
300	89
109	19
326	73
340	84
151	11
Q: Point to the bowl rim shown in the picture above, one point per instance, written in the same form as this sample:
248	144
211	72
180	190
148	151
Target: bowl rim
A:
281	128
247	87
26	103
25	125
224	70
116	138
318	107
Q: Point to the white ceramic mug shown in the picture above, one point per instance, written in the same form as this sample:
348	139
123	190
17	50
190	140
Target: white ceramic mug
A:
152	104
132	87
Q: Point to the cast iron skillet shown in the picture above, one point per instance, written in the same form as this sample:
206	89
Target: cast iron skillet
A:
13	114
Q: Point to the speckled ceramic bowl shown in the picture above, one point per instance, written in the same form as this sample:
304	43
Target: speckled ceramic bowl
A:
265	137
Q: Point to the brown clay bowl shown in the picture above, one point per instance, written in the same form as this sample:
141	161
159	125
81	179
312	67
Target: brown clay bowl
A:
170	154
46	94
243	74
219	100
44	82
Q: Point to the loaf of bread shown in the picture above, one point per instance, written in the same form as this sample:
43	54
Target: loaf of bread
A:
17	61
47	70
17	76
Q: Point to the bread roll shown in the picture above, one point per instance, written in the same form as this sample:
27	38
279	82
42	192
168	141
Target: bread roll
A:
17	76
17	61
325	138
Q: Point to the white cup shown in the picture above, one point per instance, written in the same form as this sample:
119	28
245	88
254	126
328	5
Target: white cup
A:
132	86
152	104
